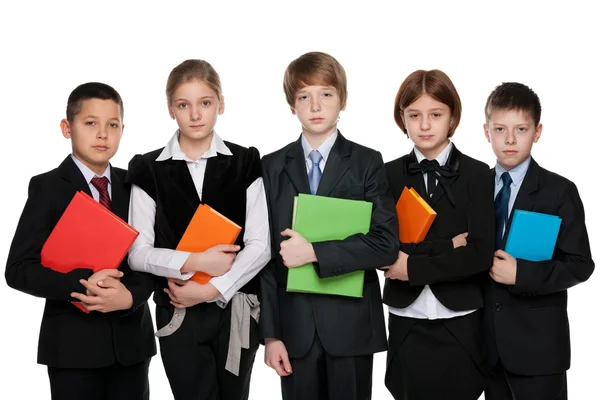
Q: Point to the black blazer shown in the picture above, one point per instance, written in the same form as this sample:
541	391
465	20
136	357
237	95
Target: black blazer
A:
527	324
346	326
69	338
455	276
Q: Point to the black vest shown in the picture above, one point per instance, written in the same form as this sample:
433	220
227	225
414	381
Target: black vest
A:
170	185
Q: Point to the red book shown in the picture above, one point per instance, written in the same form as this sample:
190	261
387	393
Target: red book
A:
87	235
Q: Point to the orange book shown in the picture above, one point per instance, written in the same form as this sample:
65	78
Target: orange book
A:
207	229
415	216
87	235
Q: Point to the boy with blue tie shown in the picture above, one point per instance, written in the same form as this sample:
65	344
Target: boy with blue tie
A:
104	354
321	345
526	302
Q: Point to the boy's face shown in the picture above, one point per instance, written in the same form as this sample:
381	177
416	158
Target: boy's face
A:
95	133
427	122
195	107
512	134
318	109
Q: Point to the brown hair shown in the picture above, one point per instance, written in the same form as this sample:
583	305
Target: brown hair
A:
190	70
514	96
314	68
434	83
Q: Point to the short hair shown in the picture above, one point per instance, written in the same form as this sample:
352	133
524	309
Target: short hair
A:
514	96
91	90
191	70
314	68
434	83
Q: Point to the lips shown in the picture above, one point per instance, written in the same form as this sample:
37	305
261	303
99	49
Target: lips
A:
317	120
101	148
510	152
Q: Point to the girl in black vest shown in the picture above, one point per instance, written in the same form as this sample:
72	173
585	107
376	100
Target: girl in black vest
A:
202	327
434	290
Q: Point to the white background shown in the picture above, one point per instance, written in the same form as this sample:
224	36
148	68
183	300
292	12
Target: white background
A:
49	47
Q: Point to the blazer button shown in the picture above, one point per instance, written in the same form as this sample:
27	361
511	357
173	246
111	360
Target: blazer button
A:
497	306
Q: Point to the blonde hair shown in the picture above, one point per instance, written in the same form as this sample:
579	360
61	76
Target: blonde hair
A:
190	70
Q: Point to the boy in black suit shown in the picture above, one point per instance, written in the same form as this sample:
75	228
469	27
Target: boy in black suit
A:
104	354
526	302
322	346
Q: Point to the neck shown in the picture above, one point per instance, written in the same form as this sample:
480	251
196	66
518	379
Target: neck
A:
97	169
432	154
194	148
316	140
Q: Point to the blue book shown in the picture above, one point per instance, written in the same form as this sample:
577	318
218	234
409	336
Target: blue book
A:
532	235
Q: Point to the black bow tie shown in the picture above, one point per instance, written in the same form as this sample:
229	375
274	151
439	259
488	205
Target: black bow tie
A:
432	168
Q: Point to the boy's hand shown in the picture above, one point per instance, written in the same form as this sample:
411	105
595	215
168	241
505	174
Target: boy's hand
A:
296	250
113	296
504	268
185	294
460	240
100	276
276	357
399	269
215	261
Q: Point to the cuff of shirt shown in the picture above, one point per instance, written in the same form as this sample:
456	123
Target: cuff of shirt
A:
174	265
223	284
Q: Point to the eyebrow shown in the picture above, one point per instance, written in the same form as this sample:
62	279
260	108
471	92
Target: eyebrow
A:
96	117
432	109
201	98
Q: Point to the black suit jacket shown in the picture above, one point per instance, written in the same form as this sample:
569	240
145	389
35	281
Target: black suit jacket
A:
69	338
527	324
455	276
346	326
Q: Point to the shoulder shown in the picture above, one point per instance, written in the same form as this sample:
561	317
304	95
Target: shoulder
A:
277	157
46	180
474	167
552	181
119	172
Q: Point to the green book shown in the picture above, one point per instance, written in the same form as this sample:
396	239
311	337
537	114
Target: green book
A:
319	219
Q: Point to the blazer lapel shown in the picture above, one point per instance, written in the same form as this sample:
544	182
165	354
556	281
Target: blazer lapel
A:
178	173
295	168
454	163
526	197
71	173
336	166
417	181
120	196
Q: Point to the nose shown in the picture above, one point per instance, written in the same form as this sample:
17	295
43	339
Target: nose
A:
511	138
195	114
425	124
102	132
315	105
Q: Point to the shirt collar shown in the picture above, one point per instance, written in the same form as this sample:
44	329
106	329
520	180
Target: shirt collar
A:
173	150
517	174
442	158
324	148
88	174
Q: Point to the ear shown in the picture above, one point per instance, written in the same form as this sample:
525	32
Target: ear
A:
222	106
487	133
293	110
65	127
345	102
538	133
171	114
122	129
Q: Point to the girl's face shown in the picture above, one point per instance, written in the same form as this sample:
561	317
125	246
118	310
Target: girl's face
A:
195	107
427	122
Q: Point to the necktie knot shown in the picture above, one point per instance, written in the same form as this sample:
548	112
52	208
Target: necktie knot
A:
315	157
506	179
430	164
101	184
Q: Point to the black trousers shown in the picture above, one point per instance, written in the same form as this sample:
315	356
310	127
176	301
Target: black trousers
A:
436	359
194	356
504	385
116	382
321	376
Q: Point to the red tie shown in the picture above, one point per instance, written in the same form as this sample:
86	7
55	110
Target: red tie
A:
102	185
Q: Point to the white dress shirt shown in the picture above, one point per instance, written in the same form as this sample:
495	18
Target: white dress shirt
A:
427	306
144	257
88	174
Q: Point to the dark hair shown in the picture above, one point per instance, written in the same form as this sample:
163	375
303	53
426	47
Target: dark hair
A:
514	96
190	70
91	90
314	68
434	83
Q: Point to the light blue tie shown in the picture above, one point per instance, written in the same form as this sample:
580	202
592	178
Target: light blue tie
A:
314	176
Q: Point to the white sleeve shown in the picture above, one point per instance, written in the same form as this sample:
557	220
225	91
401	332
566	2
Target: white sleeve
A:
257	245
143	256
